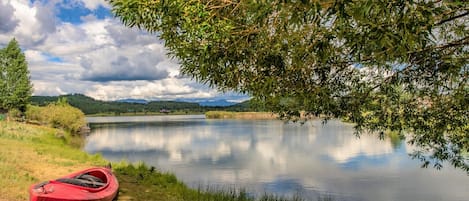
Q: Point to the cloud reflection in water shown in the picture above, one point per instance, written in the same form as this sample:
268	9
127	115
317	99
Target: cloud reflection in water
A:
312	159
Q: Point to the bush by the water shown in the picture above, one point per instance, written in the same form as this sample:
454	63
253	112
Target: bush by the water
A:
57	115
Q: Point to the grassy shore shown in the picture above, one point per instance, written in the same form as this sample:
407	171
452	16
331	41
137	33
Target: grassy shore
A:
240	115
31	154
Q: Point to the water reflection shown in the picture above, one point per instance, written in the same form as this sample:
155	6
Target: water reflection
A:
312	159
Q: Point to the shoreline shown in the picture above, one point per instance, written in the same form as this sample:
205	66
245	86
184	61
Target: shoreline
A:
208	115
241	115
131	114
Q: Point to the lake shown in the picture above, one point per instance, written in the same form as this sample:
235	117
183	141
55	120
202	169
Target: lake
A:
311	160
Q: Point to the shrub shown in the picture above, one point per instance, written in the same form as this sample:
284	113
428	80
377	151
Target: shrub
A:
34	113
14	114
65	116
58	115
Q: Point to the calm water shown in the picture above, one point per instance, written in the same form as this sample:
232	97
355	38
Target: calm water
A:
270	156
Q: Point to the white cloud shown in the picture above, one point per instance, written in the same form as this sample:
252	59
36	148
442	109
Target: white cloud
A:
170	88
97	57
34	56
35	22
47	88
96	32
94	4
7	19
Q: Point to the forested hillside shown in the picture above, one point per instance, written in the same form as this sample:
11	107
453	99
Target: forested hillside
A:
91	106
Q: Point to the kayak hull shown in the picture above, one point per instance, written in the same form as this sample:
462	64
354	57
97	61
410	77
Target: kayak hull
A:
67	189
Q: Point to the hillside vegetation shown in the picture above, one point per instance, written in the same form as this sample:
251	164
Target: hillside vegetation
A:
90	106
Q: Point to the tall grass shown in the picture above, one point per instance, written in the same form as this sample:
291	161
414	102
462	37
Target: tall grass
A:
239	115
140	182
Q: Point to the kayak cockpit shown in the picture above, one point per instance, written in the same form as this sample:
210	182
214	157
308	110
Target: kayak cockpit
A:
94	184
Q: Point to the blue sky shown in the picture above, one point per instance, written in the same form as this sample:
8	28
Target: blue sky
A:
77	46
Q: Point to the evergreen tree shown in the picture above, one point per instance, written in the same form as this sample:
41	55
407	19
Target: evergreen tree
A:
15	86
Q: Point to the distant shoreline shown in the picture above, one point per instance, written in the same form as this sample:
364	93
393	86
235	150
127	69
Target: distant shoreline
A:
208	115
143	114
241	115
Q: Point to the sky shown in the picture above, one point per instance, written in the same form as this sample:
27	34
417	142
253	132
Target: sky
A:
77	46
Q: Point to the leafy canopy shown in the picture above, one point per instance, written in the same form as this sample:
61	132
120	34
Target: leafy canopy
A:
15	86
385	65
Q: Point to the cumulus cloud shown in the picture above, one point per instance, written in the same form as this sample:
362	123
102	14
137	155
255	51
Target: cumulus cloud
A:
7	19
68	41
166	89
92	53
88	4
94	4
122	35
45	15
34	21
122	68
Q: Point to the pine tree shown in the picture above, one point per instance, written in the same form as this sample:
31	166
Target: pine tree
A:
15	86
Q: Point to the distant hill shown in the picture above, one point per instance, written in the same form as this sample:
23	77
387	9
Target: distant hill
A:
91	106
201	102
208	102
223	103
130	100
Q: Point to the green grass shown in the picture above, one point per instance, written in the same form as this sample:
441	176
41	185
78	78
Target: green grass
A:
30	154
147	183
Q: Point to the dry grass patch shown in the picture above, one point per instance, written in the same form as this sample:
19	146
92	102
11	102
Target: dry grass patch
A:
240	115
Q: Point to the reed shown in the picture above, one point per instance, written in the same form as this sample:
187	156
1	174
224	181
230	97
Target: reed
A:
148	183
240	115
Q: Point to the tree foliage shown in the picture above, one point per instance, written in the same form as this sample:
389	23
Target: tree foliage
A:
15	86
385	65
91	106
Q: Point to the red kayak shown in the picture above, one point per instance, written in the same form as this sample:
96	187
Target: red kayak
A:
92	184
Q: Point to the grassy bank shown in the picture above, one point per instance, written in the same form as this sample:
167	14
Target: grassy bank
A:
31	154
239	115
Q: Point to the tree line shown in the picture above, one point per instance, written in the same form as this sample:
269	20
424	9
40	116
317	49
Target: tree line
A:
90	106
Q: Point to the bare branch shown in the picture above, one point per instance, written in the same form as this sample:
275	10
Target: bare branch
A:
452	18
